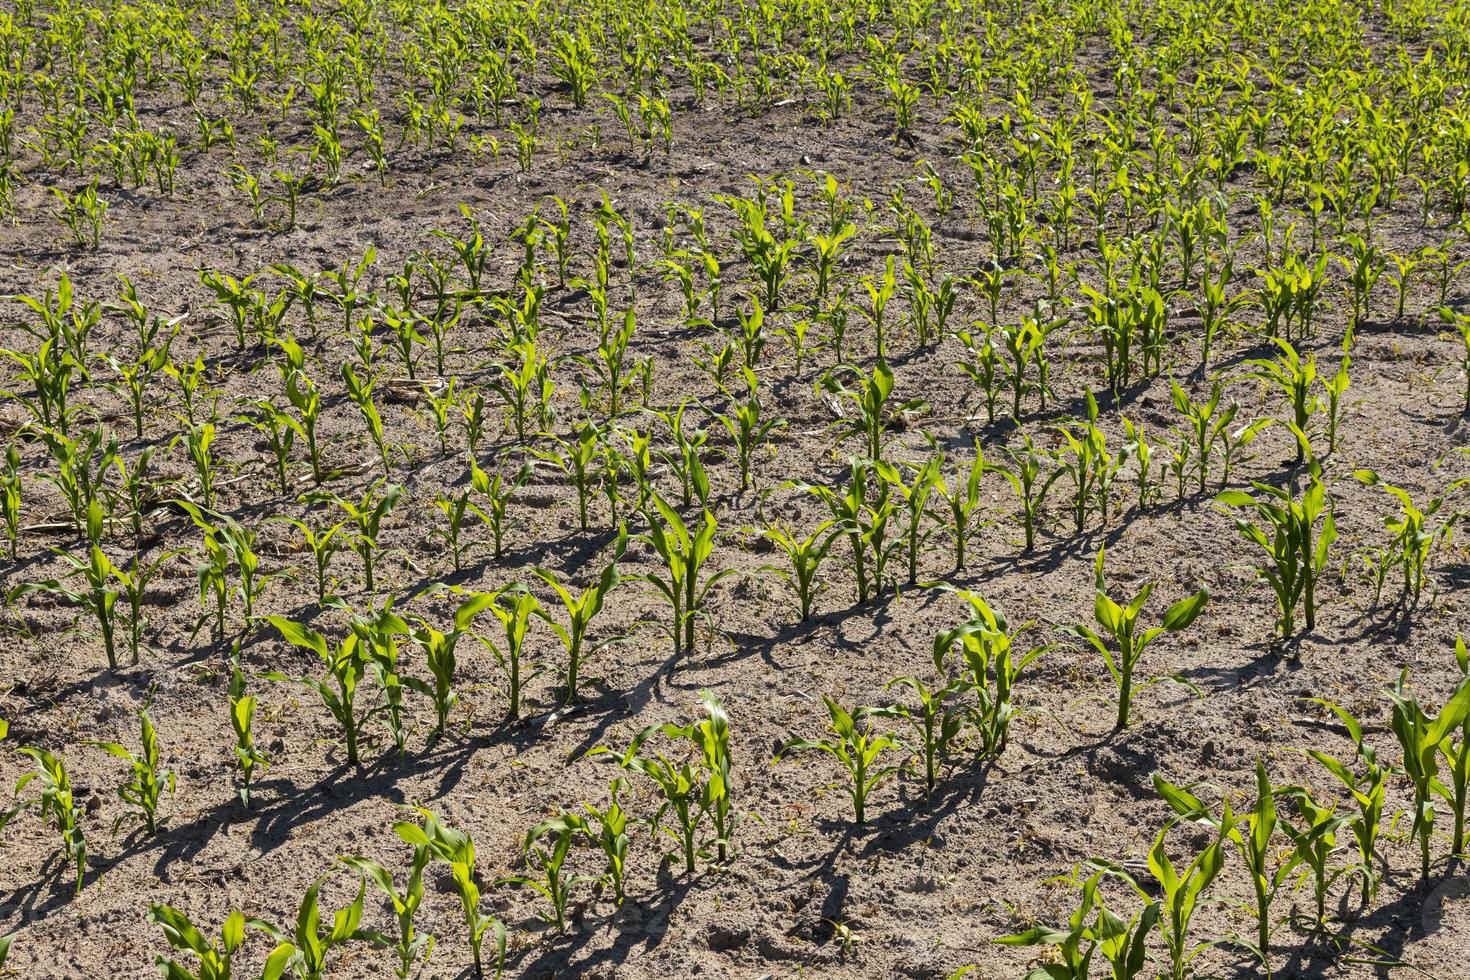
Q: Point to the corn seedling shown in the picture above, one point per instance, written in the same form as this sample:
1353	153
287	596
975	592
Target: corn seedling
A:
1313	836
410	944
684	457
1123	943
323	546
915	499
367	518
1092	469
440	656
514	607
496	493
990	667
691	793
747	429
806	555
870	395
580	610
215	961
456	849
1423	737
611	837
346	666
683	550
99	598
857	748
1414	537
304	397
312	945
1121	644
1295	377
1182	894
10	497
199	442
579	461
1367	791
1027	476
1252	835
377	633
242	721
148	781
1297	549
936	723
361	393
56	805
554	883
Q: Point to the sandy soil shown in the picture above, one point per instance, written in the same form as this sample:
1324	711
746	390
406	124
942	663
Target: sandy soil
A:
929	883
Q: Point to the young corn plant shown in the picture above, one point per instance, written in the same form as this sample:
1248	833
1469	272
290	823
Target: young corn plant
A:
1367	790
215	961
579	460
1026	470
1252	834
1292	541
303	396
410	945
1314	840
1123	943
457	850
748	430
228	543
99	598
936	722
242	721
685	456
962	500
377	633
855	747
367	515
440	656
148	781
805	555
278	429
864	525
1422	738
56	803
514	607
361	393
555	882
991	665
323	545
493	496
1294	377
684	551
346	667
1461	322
1120	642
870	393
313	947
915	500
1336	386
10	497
581	610
1206	423
1182	894
612	837
1414	536
1092	469
692	792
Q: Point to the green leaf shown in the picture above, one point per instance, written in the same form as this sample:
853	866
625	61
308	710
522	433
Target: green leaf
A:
1185	611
